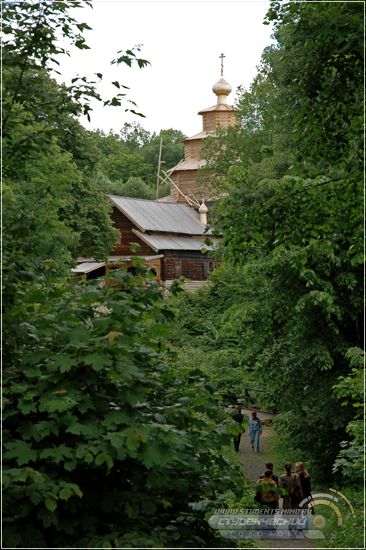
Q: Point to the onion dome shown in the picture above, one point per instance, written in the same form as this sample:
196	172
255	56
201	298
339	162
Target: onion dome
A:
221	87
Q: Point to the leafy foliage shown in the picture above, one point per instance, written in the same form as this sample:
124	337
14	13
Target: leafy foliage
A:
317	68
49	158
114	428
96	449
133	187
291	222
209	328
128	161
350	389
351	533
96	452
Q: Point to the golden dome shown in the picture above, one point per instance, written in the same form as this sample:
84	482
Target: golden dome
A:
221	87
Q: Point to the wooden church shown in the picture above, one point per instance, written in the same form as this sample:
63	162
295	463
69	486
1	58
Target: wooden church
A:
185	185
172	232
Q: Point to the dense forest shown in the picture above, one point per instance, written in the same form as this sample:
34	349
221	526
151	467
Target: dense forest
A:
115	424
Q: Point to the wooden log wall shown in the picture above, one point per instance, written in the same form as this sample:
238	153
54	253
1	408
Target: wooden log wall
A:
192	149
192	265
125	227
213	119
188	182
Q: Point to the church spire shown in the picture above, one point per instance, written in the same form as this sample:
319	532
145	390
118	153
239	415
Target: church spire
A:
221	88
185	179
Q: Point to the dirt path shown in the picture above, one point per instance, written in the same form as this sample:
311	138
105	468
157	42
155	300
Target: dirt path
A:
253	466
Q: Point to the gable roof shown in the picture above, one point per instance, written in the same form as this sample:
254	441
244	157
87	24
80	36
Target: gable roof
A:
150	215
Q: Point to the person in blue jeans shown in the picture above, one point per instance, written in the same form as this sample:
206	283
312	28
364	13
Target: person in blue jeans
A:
255	430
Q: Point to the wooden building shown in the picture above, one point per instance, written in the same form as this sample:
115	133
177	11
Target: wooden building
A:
171	239
185	183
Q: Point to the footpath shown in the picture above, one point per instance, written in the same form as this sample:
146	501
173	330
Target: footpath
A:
253	465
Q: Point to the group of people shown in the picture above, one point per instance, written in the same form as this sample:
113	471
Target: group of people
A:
255	429
296	484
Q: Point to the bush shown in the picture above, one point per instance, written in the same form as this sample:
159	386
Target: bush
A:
105	444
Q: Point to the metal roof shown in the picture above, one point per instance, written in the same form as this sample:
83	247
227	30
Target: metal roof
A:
150	215
167	198
165	242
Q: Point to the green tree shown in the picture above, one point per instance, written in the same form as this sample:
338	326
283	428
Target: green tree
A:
101	446
133	187
39	123
291	221
96	451
50	154
317	69
172	149
350	390
124	164
134	153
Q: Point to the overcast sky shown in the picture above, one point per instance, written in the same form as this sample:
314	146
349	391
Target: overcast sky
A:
183	41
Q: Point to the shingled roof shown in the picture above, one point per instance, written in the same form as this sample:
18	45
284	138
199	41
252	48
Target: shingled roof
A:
218	107
189	164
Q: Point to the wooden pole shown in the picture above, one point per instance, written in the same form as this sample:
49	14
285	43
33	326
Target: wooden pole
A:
159	163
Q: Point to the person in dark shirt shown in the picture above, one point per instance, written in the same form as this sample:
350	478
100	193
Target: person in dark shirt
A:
238	417
290	482
269	466
304	480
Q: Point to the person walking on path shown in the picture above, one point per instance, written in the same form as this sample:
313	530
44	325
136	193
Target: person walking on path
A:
255	429
266	491
291	483
304	479
269	466
238	417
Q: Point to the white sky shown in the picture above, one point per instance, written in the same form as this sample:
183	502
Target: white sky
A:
183	41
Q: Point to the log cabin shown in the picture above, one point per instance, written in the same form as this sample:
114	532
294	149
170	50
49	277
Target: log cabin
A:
173	240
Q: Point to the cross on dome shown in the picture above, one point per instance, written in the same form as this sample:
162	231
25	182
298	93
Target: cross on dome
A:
221	88
222	56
